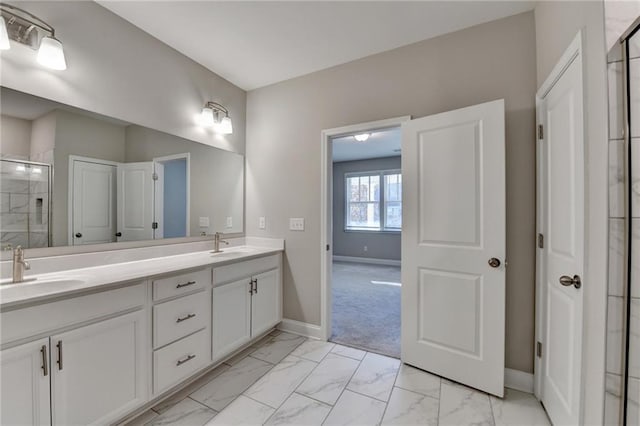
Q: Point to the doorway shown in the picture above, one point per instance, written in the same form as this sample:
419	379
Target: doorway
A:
367	222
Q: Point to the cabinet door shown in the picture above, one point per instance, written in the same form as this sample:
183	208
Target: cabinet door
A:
266	308
231	317
25	384
99	371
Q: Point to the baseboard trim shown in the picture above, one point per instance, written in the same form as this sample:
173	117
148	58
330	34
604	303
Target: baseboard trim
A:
301	328
370	260
518	380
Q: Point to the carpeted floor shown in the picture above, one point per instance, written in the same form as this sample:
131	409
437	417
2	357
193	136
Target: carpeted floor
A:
366	314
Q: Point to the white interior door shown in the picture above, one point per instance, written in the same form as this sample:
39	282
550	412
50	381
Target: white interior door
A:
135	201
453	229
561	221
158	196
93	203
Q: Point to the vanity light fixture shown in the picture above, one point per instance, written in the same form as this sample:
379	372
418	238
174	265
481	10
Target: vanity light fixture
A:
4	36
362	137
26	28
212	116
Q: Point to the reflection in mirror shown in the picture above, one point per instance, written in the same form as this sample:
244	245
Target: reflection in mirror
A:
71	177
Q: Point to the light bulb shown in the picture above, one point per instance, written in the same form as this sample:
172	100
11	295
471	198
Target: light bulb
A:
206	117
51	54
225	126
4	36
361	137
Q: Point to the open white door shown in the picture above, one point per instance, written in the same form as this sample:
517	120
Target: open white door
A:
561	223
453	245
135	201
158	200
93	203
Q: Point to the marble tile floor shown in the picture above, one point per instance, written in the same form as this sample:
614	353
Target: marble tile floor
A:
289	380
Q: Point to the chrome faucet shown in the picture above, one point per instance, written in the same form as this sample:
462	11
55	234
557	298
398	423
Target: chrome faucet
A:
19	265
217	239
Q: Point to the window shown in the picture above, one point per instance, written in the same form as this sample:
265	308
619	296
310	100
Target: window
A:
373	201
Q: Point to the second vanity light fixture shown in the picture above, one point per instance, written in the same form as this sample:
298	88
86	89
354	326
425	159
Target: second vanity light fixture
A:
216	116
23	27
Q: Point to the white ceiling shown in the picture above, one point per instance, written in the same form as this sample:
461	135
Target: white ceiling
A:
381	143
254	44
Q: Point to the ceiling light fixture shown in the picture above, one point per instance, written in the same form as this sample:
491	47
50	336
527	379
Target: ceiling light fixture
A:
212	116
26	28
362	137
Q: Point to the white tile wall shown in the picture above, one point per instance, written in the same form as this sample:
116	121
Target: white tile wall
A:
616	100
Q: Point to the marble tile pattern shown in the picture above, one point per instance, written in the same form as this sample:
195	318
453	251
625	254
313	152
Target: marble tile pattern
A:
617	186
345	388
277	347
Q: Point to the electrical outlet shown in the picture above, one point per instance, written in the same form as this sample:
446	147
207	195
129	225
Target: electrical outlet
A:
366	248
229	222
296	224
204	222
262	222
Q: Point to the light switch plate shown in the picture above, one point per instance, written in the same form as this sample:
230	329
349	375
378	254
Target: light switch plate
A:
296	224
204	222
262	222
229	222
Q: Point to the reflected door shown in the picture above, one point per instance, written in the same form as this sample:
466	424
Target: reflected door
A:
135	201
94	203
453	245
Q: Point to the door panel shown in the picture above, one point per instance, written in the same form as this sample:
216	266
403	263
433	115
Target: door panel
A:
94	203
231	317
135	201
25	387
453	302
561	211
103	372
266	309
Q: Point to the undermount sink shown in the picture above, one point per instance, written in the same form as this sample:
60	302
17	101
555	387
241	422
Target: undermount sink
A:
233	252
53	281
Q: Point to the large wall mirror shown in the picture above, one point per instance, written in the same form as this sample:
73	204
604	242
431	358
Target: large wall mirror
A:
70	178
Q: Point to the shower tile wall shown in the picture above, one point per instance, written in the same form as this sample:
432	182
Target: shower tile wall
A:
24	201
617	290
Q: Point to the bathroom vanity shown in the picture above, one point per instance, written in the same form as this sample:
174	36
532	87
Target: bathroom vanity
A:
93	345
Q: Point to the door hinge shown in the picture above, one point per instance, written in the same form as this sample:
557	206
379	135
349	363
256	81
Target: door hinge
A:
540	131
154	176
540	241
539	349
154	225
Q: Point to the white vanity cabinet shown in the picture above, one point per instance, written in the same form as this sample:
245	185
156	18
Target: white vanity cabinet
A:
25	384
97	371
247	301
89	365
181	321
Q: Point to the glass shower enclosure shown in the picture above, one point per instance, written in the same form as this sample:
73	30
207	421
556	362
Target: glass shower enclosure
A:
25	204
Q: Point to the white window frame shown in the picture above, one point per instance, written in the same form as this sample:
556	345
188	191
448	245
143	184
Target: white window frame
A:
381	201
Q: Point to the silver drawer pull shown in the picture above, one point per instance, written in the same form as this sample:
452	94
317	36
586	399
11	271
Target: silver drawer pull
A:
186	318
187	359
188	283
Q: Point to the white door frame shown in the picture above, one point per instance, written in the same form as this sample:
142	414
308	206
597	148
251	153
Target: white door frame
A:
70	180
186	156
326	202
574	49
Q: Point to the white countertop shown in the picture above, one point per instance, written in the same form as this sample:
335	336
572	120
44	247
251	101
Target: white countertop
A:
69	282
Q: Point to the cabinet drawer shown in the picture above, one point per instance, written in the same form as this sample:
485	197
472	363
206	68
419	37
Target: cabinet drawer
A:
178	284
177	318
236	271
179	360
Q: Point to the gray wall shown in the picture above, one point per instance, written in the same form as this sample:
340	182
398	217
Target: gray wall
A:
557	23
118	70
475	65
380	245
217	176
85	136
15	137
